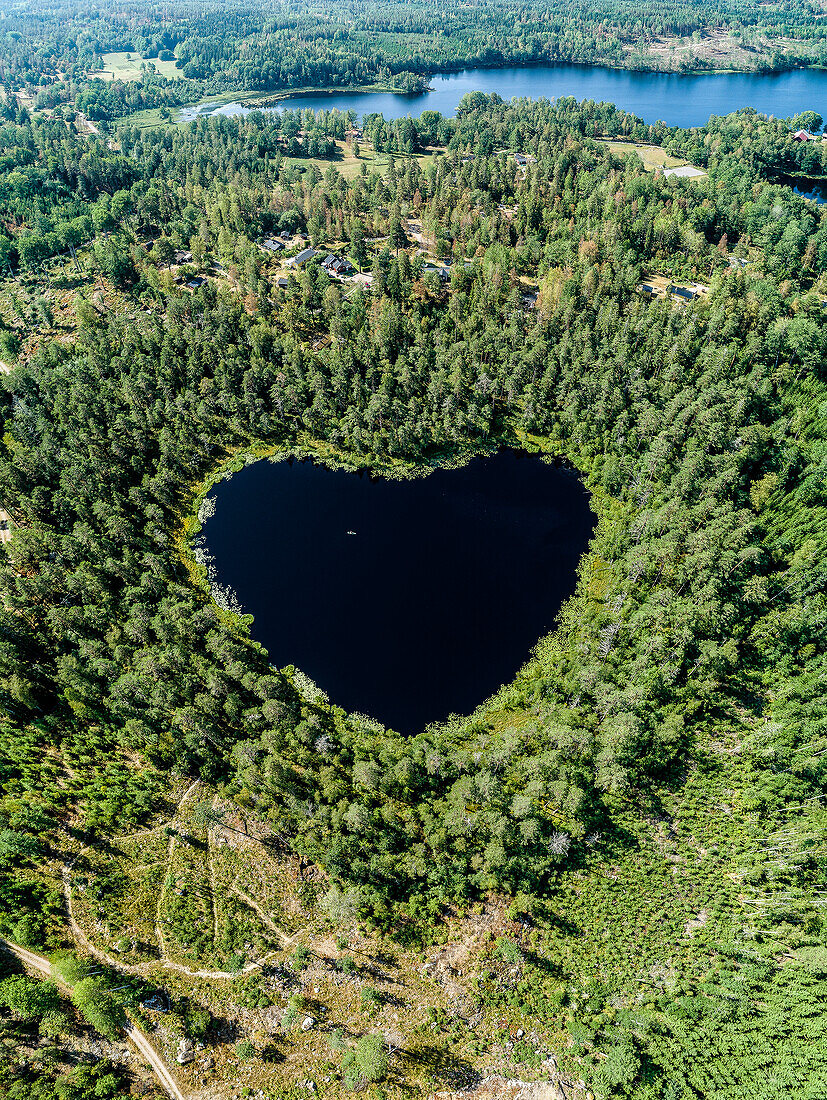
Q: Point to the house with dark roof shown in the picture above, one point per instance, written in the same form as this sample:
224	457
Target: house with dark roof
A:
337	265
301	259
682	292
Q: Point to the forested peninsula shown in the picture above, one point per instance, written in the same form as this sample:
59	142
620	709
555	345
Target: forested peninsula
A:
611	876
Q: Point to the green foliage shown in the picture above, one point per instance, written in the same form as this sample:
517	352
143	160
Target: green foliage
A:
96	1004
70	968
370	998
28	998
508	950
648	789
366	1063
301	956
291	1013
102	1081
16	845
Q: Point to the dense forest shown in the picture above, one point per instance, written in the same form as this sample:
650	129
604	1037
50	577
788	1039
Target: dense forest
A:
689	665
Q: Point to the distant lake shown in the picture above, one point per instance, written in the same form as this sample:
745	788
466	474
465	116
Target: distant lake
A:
405	600
677	100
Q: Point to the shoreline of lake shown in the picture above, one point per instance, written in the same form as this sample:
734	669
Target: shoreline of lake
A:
340	572
685	99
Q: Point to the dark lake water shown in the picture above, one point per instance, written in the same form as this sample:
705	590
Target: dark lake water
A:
678	100
434	601
815	189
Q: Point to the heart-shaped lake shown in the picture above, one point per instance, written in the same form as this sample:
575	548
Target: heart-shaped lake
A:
405	600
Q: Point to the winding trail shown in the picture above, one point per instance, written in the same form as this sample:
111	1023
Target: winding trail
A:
133	1033
286	941
144	968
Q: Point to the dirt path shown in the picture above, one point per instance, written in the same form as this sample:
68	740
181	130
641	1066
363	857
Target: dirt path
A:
145	968
151	1055
141	1042
286	941
35	962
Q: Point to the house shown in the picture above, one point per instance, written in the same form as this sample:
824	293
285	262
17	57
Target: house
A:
282	283
645	288
182	258
270	244
302	258
439	269
336	265
802	135
522	160
682	292
197	282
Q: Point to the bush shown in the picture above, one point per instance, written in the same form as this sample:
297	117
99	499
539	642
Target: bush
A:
54	1023
370	997
367	1063
29	931
235	962
509	951
291	1013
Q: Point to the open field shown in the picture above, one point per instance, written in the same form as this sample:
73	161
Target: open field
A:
653	156
351	166
127	66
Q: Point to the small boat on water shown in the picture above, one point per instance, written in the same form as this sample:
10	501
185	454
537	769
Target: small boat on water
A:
351	532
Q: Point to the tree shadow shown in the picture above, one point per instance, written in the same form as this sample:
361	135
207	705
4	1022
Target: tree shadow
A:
453	1071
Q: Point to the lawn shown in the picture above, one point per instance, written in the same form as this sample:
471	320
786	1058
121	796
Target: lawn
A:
653	156
127	66
350	166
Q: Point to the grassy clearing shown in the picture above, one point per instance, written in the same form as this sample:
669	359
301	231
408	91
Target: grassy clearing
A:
146	120
115	895
127	66
653	156
350	165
